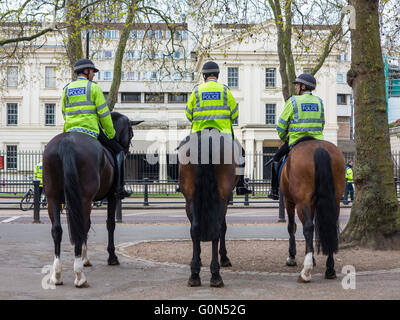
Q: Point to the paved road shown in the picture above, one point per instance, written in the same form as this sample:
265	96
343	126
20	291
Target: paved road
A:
26	248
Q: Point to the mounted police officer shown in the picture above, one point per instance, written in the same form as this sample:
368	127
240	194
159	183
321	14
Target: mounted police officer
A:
85	110
211	104
303	115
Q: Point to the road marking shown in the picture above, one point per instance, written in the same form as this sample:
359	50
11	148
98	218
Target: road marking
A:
137	214
10	219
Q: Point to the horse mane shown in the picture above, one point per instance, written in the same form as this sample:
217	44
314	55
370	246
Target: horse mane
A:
123	128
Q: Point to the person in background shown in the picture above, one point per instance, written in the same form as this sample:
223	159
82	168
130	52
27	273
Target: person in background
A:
349	182
38	175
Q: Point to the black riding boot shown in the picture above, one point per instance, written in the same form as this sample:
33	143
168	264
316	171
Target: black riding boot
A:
242	187
274	193
121	193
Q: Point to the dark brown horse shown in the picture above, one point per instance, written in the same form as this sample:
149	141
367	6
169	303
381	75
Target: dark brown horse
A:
207	177
77	171
313	181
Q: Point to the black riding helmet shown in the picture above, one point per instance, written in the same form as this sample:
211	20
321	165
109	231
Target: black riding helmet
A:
307	79
210	67
83	64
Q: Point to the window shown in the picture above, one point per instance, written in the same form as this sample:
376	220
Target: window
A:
130	76
50	77
153	76
99	76
107	75
137	34
177	97
108	54
12	114
340	78
233	77
177	76
12	157
12	77
132	97
177	55
50	114
270	78
154	34
341	98
270	113
111	34
154	97
130	54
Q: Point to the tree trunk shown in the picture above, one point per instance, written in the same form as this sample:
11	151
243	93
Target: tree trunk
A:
74	41
375	219
113	94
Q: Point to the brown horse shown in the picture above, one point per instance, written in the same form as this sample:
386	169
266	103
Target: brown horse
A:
313	181
77	171
207	180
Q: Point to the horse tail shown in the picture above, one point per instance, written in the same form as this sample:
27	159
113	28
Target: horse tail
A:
206	224
73	200
326	219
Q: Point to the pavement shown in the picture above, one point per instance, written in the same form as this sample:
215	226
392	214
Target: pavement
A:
26	253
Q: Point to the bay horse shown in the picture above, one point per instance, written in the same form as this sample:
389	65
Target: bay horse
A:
77	171
312	182
207	180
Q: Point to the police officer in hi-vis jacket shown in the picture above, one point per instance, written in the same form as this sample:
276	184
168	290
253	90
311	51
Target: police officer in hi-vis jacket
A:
85	110
303	115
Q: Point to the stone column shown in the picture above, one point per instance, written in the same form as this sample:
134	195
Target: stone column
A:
259	160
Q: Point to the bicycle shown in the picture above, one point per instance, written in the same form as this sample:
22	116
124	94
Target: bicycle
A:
27	200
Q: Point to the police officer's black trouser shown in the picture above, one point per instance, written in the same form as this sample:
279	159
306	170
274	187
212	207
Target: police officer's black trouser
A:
282	151
118	154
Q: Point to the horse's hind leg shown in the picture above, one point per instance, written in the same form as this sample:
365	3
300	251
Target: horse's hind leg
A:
54	209
292	227
225	262
111	207
86	262
216	280
308	231
80	278
330	272
195	264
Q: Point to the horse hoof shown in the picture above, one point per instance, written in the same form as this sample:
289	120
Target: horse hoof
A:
291	262
83	285
194	282
226	263
216	283
330	274
303	280
87	264
113	261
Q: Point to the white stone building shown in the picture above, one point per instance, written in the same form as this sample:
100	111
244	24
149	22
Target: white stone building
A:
30	101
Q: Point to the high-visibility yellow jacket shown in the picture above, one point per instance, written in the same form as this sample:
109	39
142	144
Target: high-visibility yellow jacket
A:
211	104
38	173
349	175
302	116
84	109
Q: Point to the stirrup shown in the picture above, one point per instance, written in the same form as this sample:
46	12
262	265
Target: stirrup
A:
242	191
123	194
274	195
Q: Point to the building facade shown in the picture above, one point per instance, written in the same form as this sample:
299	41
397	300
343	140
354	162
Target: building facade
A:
157	80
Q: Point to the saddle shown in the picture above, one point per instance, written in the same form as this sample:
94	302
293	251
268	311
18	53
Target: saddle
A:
284	159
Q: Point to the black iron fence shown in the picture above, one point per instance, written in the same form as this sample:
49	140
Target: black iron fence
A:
159	177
